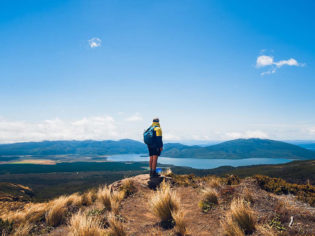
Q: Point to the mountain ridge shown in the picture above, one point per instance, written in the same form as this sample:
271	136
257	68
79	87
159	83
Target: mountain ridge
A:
232	149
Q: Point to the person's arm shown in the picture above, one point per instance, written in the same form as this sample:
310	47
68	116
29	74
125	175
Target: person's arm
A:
159	141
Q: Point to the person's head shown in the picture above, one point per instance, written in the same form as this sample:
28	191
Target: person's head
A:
156	120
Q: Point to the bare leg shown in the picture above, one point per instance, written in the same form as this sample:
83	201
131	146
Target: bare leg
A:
154	162
150	162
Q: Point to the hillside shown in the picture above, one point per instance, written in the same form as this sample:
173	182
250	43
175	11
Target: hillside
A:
124	146
183	205
240	148
234	149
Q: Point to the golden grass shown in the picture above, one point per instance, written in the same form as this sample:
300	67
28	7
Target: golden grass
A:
215	182
128	187
23	230
88	198
115	227
209	199
81	224
243	215
180	223
167	172
231	228
164	201
104	196
56	214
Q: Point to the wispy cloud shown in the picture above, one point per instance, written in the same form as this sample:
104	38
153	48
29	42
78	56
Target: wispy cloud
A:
97	128
95	42
272	65
247	134
135	117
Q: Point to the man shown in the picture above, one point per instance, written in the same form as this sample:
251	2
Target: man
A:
155	146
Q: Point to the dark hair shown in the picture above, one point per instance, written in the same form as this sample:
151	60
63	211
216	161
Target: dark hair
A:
156	120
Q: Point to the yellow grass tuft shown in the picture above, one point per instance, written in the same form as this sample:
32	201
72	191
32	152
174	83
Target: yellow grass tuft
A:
104	196
180	223
243	215
231	228
128	187
214	182
115	227
88	198
209	200
23	230
164	202
81	224
55	215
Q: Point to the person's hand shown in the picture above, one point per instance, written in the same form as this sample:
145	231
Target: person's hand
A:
161	149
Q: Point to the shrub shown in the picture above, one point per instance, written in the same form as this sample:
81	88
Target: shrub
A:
243	215
83	225
304	192
164	202
232	180
209	200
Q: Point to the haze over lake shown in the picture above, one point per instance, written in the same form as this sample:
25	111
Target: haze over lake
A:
200	163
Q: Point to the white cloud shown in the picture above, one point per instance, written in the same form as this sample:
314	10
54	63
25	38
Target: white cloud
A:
95	42
247	134
268	61
135	117
312	130
97	128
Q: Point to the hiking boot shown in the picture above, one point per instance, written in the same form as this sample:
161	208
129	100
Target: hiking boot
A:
155	174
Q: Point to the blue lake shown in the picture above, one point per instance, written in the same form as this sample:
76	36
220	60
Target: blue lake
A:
200	163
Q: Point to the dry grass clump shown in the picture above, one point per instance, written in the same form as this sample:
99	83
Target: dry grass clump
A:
209	200
231	228
128	187
23	229
168	172
115	227
88	198
240	215
110	200
104	195
180	223
247	195
56	214
214	182
81	224
164	202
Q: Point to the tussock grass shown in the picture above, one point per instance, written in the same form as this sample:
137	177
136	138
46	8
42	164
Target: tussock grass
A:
231	228
215	182
88	198
168	172
241	214
81	224
209	200
128	187
115	227
104	195
180	223
23	230
56	214
164	202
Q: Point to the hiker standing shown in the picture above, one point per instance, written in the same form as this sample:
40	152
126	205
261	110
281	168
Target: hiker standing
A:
153	138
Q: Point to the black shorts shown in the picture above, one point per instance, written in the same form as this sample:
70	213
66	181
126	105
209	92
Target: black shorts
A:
154	151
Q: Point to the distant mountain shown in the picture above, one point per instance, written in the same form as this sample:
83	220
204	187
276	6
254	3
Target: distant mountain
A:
124	146
234	149
240	148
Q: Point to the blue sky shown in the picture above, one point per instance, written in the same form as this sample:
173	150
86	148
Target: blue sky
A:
211	70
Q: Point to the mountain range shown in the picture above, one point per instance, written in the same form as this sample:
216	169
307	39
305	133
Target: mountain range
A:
234	149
